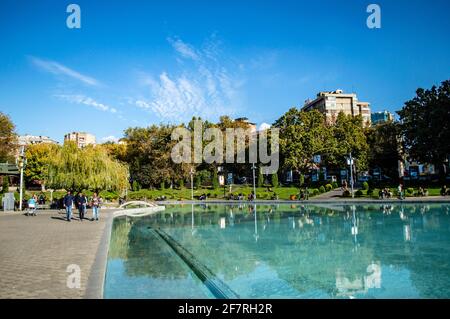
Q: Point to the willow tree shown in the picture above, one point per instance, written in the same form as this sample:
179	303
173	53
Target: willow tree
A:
88	168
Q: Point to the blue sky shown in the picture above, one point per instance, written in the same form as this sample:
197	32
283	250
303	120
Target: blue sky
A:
135	63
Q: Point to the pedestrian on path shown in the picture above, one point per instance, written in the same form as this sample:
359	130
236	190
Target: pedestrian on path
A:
96	203
68	203
32	202
82	203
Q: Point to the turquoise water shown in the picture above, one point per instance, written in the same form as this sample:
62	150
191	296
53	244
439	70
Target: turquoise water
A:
283	251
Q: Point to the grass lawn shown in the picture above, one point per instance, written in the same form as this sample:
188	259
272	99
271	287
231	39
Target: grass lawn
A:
185	193
432	191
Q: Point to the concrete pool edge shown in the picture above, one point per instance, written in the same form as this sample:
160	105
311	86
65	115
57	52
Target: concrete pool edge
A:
348	201
96	279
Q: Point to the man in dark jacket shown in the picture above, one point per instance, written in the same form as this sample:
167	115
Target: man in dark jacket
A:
68	203
82	203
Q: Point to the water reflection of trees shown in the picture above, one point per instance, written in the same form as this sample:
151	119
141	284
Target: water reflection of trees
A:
311	248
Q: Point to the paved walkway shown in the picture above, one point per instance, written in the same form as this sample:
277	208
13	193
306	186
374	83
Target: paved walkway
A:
36	251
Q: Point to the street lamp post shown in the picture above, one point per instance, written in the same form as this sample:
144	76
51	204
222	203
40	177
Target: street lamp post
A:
21	163
254	187
192	183
350	158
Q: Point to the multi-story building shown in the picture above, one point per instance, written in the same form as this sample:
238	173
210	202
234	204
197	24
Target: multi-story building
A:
381	117
25	140
334	102
82	139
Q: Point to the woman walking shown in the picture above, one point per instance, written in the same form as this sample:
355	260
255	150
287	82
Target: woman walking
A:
95	203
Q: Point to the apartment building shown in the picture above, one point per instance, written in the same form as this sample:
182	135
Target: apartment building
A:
334	102
82	139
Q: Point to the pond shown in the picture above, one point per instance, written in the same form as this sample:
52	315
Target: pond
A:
282	251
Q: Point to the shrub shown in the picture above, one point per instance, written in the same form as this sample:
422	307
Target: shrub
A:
346	194
5	185
181	183
322	189
301	180
370	192
335	185
197	181
410	191
314	192
359	193
275	180
135	186
365	186
328	187
260	180
215	180
108	195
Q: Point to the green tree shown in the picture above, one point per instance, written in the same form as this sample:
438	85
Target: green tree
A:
215	180
197	181
301	180
5	184
303	135
349	136
275	180
88	168
38	162
8	139
384	147
260	180
135	186
425	125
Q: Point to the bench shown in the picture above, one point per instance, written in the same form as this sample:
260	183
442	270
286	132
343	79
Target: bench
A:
43	206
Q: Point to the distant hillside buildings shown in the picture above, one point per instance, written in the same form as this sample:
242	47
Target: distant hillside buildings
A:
25	140
82	139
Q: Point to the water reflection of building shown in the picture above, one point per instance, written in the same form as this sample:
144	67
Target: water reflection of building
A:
361	284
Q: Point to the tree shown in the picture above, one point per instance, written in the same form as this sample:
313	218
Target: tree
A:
215	180
88	168
8	139
301	180
275	180
303	135
384	147
425	125
197	181
38	162
148	154
5	184
260	179
349	136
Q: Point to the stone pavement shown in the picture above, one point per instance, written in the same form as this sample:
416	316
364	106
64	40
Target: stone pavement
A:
36	251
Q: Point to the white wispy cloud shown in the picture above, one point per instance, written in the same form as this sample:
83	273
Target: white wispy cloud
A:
264	126
204	88
85	100
60	69
184	49
110	138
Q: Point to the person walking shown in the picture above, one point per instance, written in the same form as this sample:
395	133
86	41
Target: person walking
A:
95	203
32	202
68	203
82	203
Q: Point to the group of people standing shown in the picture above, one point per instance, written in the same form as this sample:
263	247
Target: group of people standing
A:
81	202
